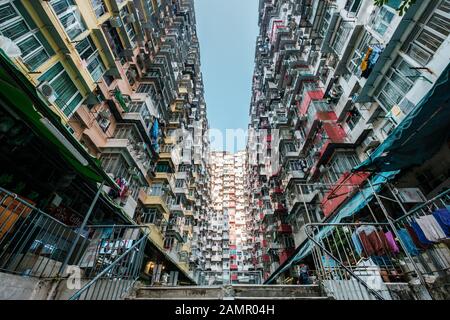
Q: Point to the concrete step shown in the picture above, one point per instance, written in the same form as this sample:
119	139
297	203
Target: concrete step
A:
233	292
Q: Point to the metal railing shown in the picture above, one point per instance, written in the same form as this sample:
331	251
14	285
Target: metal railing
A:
356	260
32	243
349	271
102	262
114	266
206	278
432	259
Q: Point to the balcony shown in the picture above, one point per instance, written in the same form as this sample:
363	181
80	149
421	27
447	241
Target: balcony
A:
174	230
158	201
292	175
299	200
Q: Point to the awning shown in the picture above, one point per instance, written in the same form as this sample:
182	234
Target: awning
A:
352	207
419	136
21	96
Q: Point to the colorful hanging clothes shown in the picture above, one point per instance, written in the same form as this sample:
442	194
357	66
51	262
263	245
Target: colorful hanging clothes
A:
357	243
376	52
442	216
420	234
416	240
367	246
391	242
365	60
409	244
374	242
431	228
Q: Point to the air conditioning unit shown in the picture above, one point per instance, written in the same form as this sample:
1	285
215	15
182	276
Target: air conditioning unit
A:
47	90
116	22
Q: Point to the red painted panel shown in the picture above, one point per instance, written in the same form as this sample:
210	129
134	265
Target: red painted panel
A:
310	95
340	193
285	228
335	132
285	254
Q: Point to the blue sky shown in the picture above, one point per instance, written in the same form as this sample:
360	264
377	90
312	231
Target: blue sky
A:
227	31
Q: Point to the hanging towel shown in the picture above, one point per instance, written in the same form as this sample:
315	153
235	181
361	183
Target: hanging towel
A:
421	236
409	244
391	242
442	216
368	249
416	240
435	226
357	243
431	228
377	243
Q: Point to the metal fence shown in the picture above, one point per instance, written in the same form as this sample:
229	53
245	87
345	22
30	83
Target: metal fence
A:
356	260
112	262
103	262
206	278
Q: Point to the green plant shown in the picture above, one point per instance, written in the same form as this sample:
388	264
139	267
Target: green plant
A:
401	9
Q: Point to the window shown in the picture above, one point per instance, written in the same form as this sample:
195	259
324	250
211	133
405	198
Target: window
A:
89	53
342	36
119	168
68	98
141	108
99	7
360	51
179	183
340	164
149	215
353	117
156	189
382	19
124	14
326	21
14	27
352	6
396	84
145	88
388	127
429	34
69	16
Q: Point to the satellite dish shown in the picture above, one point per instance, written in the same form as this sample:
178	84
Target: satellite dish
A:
10	48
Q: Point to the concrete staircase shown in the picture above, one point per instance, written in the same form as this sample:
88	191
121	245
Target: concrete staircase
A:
231	292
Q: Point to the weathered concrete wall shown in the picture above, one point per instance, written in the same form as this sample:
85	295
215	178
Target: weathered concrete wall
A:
13	287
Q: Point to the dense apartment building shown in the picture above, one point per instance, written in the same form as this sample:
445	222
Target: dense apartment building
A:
229	256
120	85
333	81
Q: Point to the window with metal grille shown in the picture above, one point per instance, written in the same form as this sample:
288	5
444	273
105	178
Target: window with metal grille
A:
70	17
68	98
89	54
396	83
27	37
430	33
